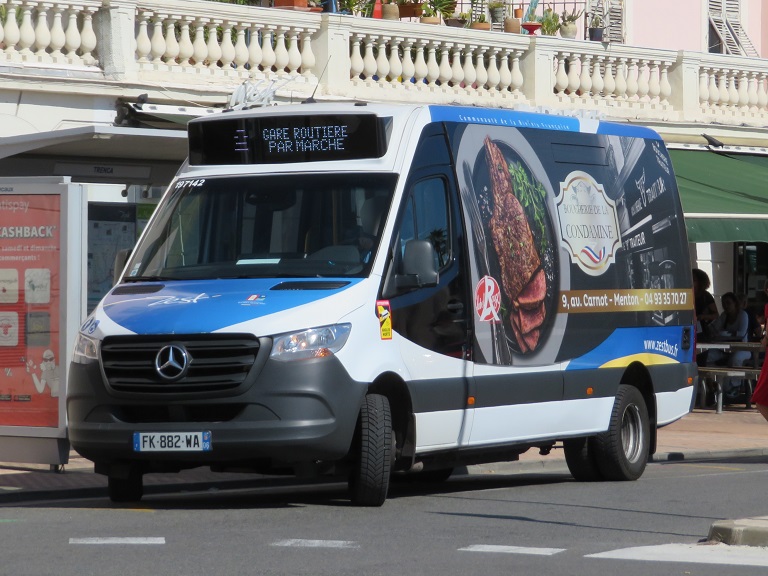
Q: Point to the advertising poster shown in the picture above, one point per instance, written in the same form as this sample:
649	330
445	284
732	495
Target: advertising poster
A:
30	371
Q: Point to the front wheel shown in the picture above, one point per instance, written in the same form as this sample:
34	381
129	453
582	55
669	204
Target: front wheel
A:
622	451
581	459
372	453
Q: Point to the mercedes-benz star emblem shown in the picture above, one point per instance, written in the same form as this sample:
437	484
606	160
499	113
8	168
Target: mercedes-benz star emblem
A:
172	362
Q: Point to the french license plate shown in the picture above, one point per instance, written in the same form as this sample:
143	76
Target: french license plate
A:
171	441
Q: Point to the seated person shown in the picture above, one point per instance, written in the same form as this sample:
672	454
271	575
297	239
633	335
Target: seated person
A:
731	326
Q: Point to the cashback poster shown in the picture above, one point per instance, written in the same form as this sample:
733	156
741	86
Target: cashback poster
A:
29	310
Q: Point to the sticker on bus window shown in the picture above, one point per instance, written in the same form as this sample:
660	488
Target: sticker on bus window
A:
488	299
384	313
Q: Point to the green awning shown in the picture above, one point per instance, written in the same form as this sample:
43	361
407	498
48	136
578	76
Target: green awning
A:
724	195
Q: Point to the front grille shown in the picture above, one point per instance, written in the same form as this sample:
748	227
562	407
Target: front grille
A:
219	363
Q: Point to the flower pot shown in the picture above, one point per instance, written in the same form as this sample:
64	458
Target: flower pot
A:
512	25
390	12
480	25
410	10
531	27
596	34
456	22
518	13
568	30
290	3
430	19
497	14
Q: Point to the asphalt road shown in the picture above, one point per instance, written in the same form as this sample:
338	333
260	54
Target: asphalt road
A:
521	524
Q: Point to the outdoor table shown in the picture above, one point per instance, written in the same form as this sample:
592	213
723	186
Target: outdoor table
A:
720	373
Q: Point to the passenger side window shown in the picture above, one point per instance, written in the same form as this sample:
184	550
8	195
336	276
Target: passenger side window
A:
426	218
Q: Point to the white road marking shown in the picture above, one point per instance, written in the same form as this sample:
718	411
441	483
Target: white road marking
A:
115	540
298	543
512	549
692	554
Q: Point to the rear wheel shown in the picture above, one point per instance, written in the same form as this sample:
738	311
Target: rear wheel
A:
372	453
581	460
622	451
129	489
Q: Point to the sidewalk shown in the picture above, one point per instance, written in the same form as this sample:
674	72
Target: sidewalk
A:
703	434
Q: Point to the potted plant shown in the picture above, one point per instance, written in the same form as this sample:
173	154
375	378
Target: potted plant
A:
410	9
596	28
480	23
496	9
390	10
457	20
568	23
290	4
550	22
429	15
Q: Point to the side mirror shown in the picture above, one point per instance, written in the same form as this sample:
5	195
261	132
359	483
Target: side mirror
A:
419	265
120	260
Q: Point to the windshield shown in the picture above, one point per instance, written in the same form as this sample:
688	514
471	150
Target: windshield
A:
265	226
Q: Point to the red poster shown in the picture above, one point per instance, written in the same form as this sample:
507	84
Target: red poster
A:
30	243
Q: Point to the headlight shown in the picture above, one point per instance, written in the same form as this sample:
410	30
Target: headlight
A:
86	349
311	343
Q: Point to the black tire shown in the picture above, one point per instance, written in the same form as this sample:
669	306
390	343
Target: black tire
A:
581	460
372	453
622	451
129	489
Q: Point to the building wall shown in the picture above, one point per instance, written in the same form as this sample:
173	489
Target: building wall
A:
645	26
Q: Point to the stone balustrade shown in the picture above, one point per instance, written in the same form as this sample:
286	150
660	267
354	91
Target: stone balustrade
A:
202	50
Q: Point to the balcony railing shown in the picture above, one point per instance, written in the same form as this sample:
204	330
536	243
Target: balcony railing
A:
206	49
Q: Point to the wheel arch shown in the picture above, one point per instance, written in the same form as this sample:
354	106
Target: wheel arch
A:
395	389
638	375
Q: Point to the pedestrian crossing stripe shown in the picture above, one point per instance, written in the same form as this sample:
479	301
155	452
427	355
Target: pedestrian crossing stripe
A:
692	554
512	550
299	543
116	540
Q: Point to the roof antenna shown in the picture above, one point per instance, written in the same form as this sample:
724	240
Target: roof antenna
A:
311	99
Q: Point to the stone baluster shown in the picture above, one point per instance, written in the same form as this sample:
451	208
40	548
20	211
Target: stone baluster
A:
517	75
733	93
585	78
714	89
703	88
480	69
561	77
255	53
294	54
620	92
58	38
505	73
654	81
643	80
446	73
409	67
723	85
42	33
609	83
470	74
268	57
186	48
87	39
73	38
493	70
382	62
27	32
241	48
395	64
574	78
752	92
433	70
420	66
157	41
11	32
308	59
356	64
199	47
762	92
632	83
227	46
743	91
665	88
172	48
598	83
213	46
369	61
143	43
281	52
457	72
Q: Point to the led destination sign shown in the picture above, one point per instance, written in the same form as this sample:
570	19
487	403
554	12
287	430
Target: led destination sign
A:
282	139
